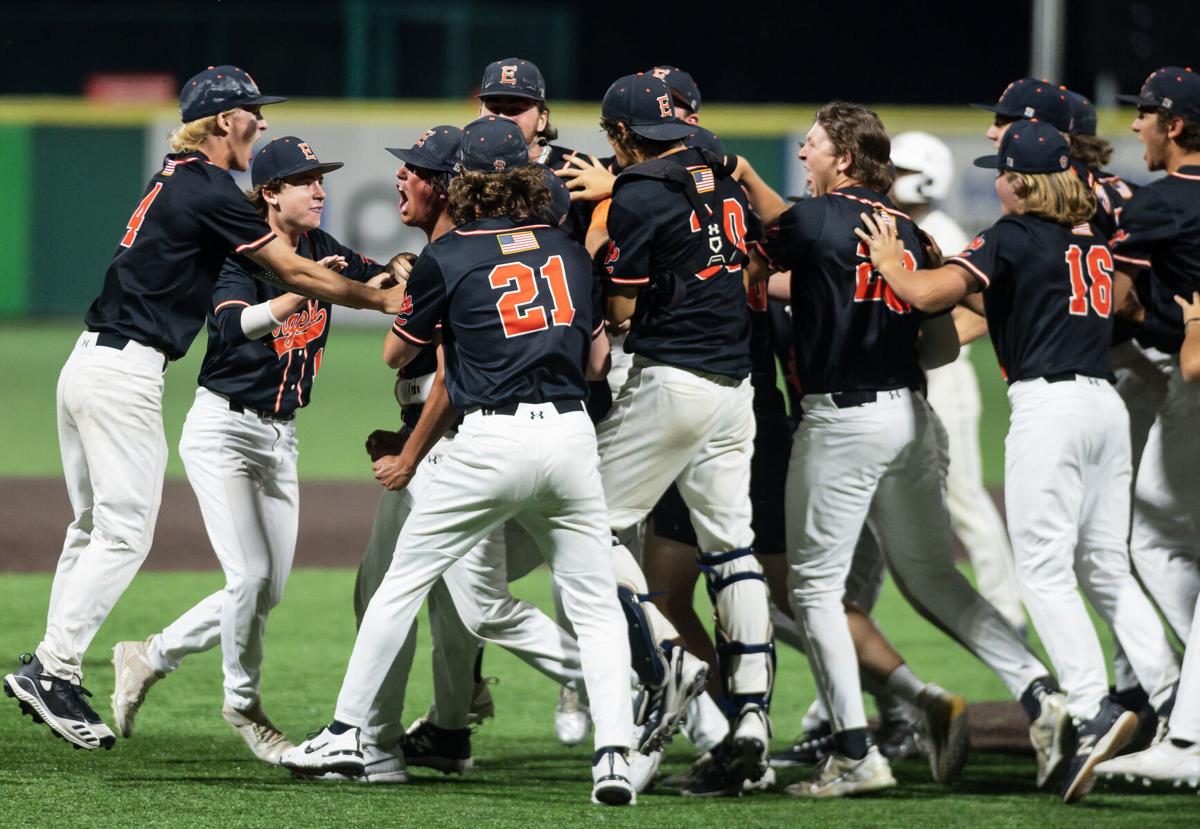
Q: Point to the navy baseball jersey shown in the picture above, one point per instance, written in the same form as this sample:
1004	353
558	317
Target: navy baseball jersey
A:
157	289
851	331
579	216
515	303
1160	228
654	230
764	374
274	373
1048	296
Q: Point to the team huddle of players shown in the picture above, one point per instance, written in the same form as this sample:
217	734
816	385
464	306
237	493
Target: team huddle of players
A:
588	353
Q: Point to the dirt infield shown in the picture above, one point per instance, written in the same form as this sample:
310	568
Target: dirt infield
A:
335	522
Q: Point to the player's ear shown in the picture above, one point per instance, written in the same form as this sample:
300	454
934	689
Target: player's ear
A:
845	162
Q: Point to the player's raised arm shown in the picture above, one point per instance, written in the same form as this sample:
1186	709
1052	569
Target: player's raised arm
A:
927	290
305	276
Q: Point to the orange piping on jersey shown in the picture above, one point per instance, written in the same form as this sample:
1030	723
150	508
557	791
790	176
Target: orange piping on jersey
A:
1141	263
229	302
635	280
876	204
500	230
283	380
412	339
1185	176
256	244
955	260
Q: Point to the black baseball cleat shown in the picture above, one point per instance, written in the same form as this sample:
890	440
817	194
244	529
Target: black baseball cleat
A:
446	749
59	704
1097	740
810	748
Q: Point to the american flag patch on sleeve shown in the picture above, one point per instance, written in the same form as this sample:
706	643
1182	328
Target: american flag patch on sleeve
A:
703	176
517	242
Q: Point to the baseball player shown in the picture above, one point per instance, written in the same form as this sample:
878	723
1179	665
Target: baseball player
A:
1160	229
869	449
678	228
515	302
1046	276
239	448
472	599
924	173
155	297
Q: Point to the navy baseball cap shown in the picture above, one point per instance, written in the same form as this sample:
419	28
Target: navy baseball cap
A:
219	88
437	149
1029	147
681	84
703	139
285	157
643	103
492	145
560	196
1030	98
1083	114
515	78
1173	88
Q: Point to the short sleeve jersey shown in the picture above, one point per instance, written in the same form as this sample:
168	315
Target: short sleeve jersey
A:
1160	229
515	303
654	230
158	286
1048	296
274	373
851	331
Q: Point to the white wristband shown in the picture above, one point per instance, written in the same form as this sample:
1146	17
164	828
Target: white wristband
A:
257	320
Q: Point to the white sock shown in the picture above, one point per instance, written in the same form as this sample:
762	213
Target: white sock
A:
706	726
905	684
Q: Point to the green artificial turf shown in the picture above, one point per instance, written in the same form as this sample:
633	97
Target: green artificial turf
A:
352	397
185	767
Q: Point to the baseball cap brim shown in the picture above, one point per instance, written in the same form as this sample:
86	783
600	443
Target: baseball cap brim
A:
504	93
669	131
262	100
422	159
996	108
988	162
1138	101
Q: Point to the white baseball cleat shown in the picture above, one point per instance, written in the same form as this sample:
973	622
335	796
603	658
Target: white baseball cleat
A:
1163	761
663	708
132	678
841	776
380	765
748	745
610	779
1050	734
264	739
572	720
945	731
643	768
326	752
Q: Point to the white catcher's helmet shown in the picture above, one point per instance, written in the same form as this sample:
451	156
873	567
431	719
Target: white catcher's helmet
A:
932	164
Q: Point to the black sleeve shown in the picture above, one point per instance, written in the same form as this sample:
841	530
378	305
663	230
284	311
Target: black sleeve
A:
225	211
424	302
1146	221
994	252
235	291
787	240
631	231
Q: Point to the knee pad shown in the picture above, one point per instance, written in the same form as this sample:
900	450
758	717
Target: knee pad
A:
743	624
647	657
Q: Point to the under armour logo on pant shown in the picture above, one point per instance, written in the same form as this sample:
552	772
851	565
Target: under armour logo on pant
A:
537	416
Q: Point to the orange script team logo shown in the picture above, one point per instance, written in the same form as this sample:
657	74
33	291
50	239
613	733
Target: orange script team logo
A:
508	75
300	329
307	150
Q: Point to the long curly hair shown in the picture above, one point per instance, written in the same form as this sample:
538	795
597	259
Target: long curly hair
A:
518	193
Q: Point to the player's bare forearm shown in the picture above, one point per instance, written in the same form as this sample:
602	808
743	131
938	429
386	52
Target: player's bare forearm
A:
1189	354
779	286
928	290
757	269
974	304
399	352
621	305
938	344
284	304
599	357
768	204
969	324
1125	298
304	276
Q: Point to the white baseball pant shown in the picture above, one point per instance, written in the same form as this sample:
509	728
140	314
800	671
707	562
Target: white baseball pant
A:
696	429
1067	495
953	392
1185	718
880	465
538	468
469	604
242	468
114	455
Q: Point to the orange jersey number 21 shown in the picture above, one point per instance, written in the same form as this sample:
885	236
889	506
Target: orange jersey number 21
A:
520	279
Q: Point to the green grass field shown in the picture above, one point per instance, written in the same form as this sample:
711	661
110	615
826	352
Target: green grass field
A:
352	397
184	766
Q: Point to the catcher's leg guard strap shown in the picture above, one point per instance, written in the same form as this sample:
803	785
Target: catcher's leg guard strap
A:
745	649
647	658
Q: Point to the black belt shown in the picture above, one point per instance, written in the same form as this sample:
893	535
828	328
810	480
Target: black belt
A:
118	342
850	399
238	408
1061	377
560	406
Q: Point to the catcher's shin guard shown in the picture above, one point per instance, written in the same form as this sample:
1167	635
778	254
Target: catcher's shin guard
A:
646	655
745	647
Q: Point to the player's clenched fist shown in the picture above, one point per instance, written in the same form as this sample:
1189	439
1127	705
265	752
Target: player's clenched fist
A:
383	442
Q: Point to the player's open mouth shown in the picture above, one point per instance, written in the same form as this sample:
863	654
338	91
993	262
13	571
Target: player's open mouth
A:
403	201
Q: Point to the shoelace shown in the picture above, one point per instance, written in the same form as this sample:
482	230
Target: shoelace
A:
27	659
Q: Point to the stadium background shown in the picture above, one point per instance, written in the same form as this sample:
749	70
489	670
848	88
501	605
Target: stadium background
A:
362	75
